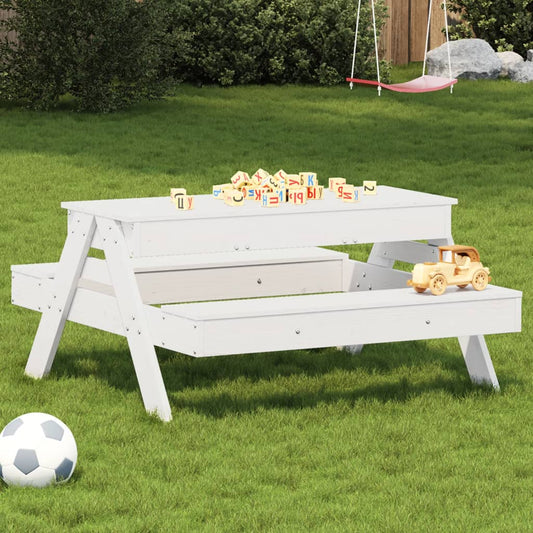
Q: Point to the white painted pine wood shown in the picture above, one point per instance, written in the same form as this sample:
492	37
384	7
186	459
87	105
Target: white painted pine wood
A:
478	360
56	310
134	210
286	323
288	229
407	251
134	319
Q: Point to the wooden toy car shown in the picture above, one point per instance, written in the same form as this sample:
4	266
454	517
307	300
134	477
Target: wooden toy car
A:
463	269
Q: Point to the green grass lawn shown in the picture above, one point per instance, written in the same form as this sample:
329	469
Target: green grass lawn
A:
393	439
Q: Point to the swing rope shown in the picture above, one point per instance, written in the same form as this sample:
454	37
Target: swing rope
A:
424	83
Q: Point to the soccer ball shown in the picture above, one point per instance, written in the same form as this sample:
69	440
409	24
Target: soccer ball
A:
37	450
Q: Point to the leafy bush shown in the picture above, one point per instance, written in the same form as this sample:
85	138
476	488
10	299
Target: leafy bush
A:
276	41
103	52
505	24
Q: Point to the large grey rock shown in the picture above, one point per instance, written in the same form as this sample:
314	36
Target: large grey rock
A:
530	55
522	72
472	59
508	60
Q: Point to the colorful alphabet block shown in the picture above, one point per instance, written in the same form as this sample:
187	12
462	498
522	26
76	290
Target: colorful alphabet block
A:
258	176
308	179
280	175
269	183
184	202
315	193
293	181
218	190
249	192
240	179
271	199
298	196
349	193
370	187
177	192
233	197
334	183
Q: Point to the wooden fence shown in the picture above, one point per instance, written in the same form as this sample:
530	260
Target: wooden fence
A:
404	36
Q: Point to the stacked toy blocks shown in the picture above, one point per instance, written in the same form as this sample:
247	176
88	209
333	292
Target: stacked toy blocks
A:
273	190
270	190
348	192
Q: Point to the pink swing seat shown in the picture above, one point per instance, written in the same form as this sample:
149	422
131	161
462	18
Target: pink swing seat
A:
423	84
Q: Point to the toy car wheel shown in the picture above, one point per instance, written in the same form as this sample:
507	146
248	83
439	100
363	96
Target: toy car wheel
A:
438	285
480	280
420	290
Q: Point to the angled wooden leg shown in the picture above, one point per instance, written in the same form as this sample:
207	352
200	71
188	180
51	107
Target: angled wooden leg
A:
135	322
375	258
56	312
478	361
474	348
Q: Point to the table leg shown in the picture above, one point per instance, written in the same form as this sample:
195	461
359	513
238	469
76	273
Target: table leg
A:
375	258
135	322
66	279
474	348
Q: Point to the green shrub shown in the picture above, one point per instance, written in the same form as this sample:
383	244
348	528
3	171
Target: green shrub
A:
276	41
105	53
505	24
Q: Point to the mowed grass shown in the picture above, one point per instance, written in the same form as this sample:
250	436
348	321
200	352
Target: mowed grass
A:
393	439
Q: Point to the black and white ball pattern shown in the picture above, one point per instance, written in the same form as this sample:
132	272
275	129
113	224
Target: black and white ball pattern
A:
37	449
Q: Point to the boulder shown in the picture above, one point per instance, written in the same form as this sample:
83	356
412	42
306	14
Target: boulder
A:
522	72
530	55
472	59
508	59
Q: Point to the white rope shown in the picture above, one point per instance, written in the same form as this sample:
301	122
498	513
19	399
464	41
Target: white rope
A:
355	41
427	40
376	46
448	45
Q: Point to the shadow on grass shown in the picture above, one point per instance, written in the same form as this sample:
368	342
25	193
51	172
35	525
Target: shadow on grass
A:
297	379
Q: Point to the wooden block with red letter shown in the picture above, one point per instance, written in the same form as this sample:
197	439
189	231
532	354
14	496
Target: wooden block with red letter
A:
293	181
349	193
184	202
257	177
370	187
281	177
315	193
239	180
334	183
218	190
298	196
233	197
271	199
308	179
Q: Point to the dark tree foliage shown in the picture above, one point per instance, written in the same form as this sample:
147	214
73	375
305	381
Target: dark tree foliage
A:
504	24
105	53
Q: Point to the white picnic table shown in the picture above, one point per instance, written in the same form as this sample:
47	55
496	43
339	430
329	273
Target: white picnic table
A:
195	281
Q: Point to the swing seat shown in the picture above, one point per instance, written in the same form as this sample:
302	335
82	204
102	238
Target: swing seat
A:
423	84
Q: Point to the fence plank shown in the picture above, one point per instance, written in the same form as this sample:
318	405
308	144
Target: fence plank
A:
418	29
403	38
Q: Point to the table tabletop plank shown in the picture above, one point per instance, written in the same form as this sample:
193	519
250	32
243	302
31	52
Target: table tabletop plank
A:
134	210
